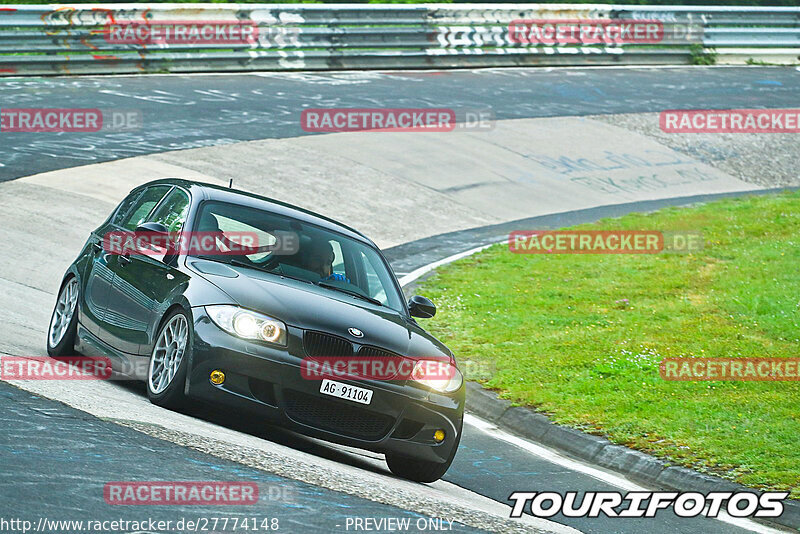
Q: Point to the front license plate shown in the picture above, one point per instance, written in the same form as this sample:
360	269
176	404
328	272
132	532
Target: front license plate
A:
346	391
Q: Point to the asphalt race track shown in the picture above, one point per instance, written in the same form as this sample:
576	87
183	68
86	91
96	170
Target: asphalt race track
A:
186	111
87	452
56	454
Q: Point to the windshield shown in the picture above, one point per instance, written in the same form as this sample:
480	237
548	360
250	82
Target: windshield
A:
287	247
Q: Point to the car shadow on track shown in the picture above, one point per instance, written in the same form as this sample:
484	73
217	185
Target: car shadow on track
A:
251	425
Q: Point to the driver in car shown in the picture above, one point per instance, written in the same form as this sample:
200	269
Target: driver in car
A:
319	259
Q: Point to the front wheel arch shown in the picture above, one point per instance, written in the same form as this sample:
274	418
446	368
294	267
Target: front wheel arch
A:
174	395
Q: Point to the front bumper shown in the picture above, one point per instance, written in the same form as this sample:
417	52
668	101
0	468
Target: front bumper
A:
266	382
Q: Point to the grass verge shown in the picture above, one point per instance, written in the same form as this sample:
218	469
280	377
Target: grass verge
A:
580	337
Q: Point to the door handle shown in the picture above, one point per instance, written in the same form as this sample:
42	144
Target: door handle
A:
124	260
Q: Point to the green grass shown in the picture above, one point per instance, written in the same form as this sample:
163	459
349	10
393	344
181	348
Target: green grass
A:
580	337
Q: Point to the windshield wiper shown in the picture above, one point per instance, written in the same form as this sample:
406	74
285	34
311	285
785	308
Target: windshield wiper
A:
239	263
328	285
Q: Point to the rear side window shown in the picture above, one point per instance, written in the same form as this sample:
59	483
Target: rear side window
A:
172	212
143	206
125	207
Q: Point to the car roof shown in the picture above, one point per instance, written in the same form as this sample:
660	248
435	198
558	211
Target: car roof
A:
236	196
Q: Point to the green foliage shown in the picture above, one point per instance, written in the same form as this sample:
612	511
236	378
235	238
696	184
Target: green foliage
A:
702	56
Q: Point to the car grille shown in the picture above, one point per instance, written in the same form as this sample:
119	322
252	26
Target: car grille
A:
336	416
319	344
368	351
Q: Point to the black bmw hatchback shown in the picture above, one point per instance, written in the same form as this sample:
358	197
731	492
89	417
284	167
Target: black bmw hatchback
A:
213	294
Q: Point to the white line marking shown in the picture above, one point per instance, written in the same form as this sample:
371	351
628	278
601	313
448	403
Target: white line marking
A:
608	477
416	273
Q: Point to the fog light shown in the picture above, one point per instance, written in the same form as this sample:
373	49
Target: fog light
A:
217	377
438	436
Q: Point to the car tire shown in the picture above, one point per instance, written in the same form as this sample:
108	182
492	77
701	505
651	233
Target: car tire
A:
169	361
64	320
421	470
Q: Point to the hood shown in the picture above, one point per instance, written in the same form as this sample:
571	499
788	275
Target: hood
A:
311	307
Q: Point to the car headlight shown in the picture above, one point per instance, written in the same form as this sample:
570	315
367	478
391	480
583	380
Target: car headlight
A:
440	376
248	324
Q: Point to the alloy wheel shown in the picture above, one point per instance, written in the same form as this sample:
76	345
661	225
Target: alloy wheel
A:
167	354
62	315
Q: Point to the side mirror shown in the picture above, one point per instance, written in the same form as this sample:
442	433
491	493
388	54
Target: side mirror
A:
421	307
151	227
157	239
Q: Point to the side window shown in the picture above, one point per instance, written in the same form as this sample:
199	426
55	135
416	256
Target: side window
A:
144	205
374	286
124	207
230	226
338	258
172	212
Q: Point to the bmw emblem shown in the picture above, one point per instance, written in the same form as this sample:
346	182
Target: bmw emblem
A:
355	332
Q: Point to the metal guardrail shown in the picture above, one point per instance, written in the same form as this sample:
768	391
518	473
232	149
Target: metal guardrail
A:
132	38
